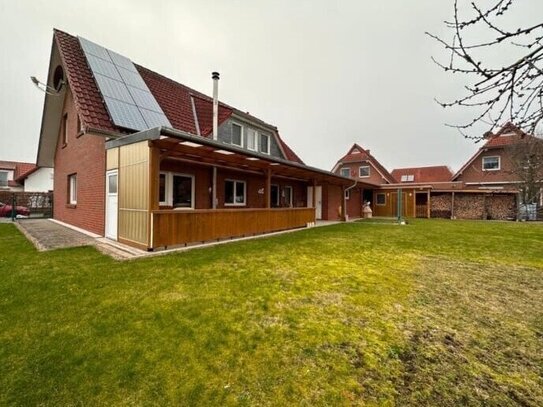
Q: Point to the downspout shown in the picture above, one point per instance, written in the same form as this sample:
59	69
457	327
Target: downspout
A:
345	214
215	77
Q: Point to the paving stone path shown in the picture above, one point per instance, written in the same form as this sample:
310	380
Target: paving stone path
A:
48	235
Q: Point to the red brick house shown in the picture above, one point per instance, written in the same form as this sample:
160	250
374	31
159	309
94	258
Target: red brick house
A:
486	187
150	162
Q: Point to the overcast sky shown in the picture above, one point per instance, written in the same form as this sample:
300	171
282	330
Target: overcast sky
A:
326	73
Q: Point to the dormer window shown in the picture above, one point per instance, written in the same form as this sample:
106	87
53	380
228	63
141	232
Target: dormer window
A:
491	163
252	139
237	134
264	143
407	178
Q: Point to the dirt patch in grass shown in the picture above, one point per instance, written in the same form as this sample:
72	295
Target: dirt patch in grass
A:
473	336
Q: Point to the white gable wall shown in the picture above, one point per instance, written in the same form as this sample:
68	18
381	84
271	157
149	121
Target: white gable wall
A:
40	180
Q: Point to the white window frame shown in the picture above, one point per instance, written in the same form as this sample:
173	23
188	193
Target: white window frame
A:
166	185
169	189
345	168
377	200
347	194
236	181
260	143
291	192
241	134
364	176
491	169
72	189
192	187
252	132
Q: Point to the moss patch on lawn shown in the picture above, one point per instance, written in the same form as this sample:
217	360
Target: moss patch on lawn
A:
434	312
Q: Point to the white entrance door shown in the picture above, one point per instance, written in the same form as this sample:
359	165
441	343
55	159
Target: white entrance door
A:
318	198
111	204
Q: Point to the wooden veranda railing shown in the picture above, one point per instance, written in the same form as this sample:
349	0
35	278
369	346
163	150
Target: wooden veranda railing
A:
175	227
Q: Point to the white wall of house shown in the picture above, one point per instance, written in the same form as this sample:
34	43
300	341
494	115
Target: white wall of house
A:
40	180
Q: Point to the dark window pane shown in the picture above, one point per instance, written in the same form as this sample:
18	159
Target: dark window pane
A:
274	196
182	191
381	199
240	192
162	188
229	192
264	143
236	134
112	183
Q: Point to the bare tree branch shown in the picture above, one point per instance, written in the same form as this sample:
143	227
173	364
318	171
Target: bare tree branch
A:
511	91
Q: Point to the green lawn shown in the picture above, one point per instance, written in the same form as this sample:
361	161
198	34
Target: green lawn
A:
432	313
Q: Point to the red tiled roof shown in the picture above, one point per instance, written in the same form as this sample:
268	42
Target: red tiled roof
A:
24	170
174	98
21	170
88	100
439	173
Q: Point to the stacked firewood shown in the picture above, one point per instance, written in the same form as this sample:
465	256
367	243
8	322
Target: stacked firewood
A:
473	206
440	206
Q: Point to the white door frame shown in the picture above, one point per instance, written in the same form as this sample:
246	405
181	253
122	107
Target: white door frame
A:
112	214
318	198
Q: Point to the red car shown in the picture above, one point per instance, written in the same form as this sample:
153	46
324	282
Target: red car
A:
5	210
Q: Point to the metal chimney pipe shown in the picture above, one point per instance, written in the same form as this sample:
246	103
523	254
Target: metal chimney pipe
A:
215	77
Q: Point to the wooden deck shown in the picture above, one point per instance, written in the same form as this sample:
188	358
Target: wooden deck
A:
177	227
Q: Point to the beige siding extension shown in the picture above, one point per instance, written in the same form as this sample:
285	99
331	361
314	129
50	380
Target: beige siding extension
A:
134	192
112	159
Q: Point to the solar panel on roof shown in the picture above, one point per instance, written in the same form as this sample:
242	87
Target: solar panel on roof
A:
102	67
125	114
129	101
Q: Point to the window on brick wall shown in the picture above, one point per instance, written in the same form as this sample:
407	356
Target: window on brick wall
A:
364	171
381	199
345	172
234	193
491	163
72	189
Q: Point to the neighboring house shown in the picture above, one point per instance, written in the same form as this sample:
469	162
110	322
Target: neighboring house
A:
40	179
20	176
486	187
150	162
358	164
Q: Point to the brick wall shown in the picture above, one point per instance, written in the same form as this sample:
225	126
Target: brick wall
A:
374	178
474	172
84	156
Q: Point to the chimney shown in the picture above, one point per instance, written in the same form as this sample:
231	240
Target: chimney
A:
215	77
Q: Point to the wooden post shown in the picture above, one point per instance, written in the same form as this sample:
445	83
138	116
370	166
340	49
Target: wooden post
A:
214	189
452	205
428	205
343	206
314	194
267	189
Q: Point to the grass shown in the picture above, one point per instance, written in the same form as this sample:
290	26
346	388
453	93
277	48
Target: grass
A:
431	313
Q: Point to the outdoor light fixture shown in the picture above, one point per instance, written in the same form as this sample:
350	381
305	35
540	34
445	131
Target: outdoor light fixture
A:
47	89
